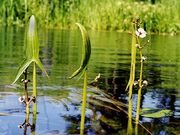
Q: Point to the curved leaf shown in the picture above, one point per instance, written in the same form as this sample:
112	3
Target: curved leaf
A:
86	51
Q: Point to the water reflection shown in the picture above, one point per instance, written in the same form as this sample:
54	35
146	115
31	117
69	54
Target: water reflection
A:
26	124
111	58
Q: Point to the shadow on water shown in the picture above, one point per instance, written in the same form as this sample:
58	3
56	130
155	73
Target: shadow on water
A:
59	105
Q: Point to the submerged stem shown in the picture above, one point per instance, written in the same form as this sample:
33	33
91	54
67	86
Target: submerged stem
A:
83	103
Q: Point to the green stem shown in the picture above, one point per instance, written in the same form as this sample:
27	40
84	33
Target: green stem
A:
34	87
33	127
26	93
131	79
26	123
140	89
83	111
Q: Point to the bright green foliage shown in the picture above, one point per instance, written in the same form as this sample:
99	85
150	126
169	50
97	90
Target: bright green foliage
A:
155	113
32	50
86	52
163	16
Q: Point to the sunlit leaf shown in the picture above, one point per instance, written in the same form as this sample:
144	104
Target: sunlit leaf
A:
155	113
21	69
86	51
38	62
32	49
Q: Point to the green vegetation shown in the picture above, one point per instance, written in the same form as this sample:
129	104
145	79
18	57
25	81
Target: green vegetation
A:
157	16
86	53
31	57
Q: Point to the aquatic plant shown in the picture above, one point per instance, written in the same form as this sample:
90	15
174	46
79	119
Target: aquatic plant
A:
86	53
140	34
32	57
131	78
137	33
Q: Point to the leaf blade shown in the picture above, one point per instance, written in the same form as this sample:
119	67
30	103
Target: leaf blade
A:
86	51
40	65
21	69
156	113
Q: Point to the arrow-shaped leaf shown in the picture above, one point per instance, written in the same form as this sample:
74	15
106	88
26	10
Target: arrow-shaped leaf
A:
32	50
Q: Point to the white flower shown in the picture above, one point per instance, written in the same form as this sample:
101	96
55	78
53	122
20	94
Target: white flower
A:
141	33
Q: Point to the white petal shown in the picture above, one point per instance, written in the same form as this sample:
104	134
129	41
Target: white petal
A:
142	35
137	33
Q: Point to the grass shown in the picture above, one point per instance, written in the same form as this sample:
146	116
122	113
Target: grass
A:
161	17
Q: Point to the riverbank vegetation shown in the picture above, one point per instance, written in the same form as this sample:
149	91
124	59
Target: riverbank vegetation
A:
157	16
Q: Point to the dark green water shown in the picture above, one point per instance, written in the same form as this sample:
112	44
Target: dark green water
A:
59	98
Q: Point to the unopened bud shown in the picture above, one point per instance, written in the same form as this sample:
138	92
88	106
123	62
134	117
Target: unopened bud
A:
135	83
20	126
145	83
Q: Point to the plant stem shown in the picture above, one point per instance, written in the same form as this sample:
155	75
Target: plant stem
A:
140	89
34	88
26	93
139	94
83	103
131	79
26	123
33	127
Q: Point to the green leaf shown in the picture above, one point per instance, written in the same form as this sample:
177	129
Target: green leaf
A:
32	43
86	51
38	62
32	49
21	69
156	113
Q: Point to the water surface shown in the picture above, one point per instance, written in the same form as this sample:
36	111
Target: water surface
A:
59	98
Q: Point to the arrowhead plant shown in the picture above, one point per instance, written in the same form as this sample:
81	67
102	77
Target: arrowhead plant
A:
31	49
31	57
86	53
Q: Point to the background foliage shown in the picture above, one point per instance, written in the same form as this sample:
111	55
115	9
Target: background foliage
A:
158	16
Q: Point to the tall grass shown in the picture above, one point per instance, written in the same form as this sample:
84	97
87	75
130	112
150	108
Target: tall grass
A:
99	15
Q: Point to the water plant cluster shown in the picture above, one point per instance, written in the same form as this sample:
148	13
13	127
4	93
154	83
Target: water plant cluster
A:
157	16
32	59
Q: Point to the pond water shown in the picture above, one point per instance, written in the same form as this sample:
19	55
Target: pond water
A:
59	101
